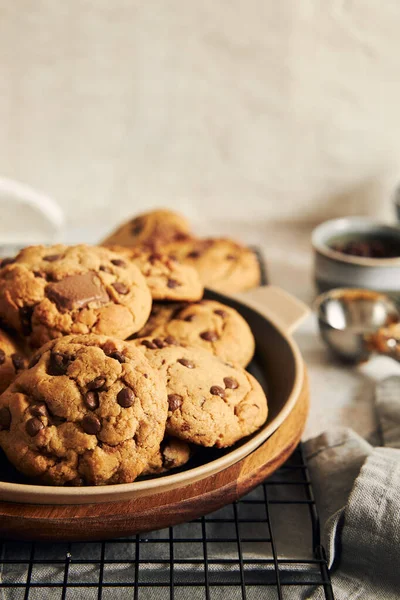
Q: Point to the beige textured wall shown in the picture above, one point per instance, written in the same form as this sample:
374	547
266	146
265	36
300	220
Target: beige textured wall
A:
237	109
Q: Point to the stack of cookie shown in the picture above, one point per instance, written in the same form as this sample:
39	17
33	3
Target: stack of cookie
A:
222	264
112	365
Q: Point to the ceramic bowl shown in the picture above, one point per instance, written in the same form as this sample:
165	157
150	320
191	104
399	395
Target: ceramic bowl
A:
334	269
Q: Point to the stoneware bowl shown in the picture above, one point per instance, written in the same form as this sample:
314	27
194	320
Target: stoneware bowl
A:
334	269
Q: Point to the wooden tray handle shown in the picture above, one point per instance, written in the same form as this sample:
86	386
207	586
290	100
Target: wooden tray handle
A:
277	305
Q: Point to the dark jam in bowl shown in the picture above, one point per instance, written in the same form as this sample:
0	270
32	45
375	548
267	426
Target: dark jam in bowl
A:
367	246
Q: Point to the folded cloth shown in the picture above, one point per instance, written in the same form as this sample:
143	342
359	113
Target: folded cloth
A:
357	491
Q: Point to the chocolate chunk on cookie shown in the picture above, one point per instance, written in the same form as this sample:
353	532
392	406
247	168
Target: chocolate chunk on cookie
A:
80	290
94	421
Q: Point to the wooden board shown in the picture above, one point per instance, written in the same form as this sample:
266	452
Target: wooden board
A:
116	519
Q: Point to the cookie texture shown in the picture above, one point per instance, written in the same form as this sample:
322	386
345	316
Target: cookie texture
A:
47	292
12	360
173	453
151	230
167	278
89	410
211	402
207	324
222	264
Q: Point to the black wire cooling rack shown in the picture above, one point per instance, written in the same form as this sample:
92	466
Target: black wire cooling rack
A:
266	545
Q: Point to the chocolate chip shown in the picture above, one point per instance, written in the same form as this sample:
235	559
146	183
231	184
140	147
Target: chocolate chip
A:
5	418
39	410
25	315
105	269
125	398
58	364
77	291
52	257
18	361
171	341
209	336
118	262
91	424
186	363
193	254
155	257
216	390
174	401
40	274
230	383
34	361
118	356
92	400
137	227
230	257
189	318
6	261
173	283
121	288
160	343
33	426
149	344
2	357
97	383
221	313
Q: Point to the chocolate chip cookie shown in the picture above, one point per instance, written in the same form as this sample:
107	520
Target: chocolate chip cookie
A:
223	265
173	453
88	410
12	360
151	230
166	277
47	292
211	402
206	324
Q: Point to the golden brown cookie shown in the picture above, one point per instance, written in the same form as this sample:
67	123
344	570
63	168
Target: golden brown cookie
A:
206	324
89	410
47	292
211	402
223	265
166	277
151	230
12	360
173	453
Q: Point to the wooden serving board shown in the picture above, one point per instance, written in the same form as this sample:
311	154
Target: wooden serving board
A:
116	519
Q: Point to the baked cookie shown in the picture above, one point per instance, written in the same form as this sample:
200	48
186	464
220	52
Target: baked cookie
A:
12	360
47	292
152	229
173	453
88	410
166	277
211	402
206	324
223	265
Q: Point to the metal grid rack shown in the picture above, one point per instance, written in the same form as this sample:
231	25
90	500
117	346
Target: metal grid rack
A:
243	551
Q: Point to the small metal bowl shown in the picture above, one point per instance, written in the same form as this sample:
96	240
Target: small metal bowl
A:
334	269
348	319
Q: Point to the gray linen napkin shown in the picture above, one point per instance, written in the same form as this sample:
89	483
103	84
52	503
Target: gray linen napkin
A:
357	490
